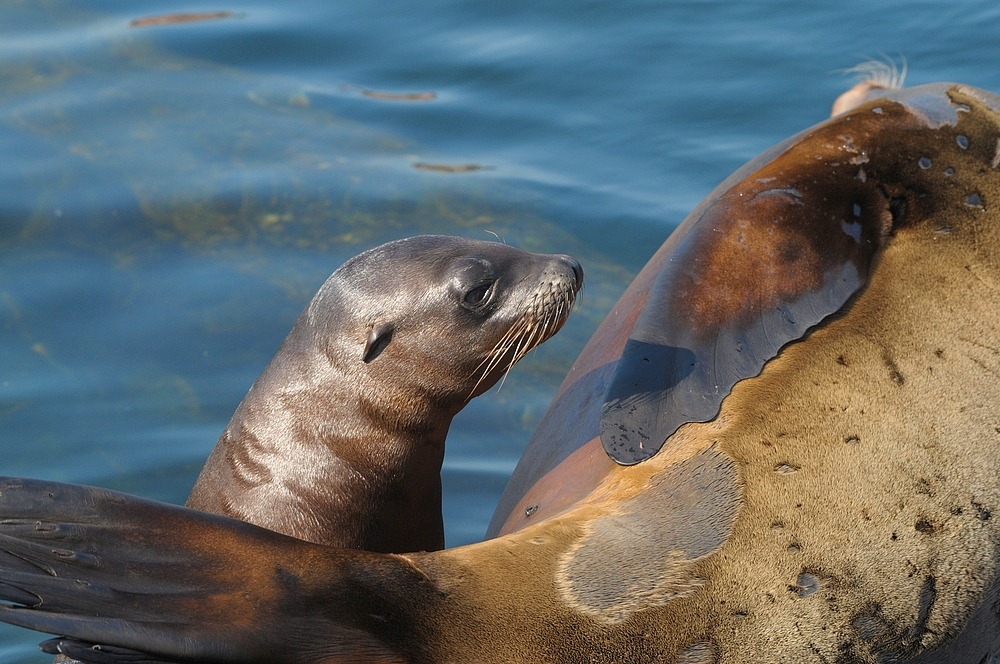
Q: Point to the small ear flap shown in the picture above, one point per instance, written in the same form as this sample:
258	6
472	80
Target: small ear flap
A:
378	338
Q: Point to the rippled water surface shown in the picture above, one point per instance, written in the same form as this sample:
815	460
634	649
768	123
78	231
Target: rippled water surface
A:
172	193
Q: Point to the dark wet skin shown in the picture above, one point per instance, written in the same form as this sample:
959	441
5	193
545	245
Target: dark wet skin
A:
779	247
766	262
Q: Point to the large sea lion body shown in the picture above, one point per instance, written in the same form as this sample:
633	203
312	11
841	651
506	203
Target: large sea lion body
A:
840	505
341	439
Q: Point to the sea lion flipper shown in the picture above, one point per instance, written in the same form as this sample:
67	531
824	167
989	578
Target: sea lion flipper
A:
64	550
802	229
89	653
104	567
164	636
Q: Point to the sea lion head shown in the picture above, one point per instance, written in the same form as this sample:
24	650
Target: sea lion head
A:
439	318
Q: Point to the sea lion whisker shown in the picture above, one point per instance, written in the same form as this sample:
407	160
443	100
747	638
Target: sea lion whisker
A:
523	346
882	72
531	340
515	341
529	333
560	316
499	351
513	331
530	336
555	320
493	359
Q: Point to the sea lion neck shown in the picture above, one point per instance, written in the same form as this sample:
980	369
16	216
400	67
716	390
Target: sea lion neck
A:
363	474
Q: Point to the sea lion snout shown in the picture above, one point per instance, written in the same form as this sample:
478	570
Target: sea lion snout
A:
562	275
532	300
574	265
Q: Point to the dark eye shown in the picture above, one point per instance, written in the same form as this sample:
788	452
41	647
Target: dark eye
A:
477	295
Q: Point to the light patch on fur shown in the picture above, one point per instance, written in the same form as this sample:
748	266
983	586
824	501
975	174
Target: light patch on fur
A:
642	555
698	653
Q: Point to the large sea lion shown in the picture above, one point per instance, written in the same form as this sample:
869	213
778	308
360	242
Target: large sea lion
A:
832	498
340	441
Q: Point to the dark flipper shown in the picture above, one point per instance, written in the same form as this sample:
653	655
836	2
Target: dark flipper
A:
778	248
772	258
180	585
747	272
89	653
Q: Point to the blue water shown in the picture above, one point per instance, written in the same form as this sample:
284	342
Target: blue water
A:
172	195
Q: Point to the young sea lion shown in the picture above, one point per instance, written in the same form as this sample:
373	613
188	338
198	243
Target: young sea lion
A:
340	441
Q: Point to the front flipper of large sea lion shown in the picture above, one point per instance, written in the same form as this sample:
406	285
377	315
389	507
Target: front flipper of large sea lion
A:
184	585
841	506
775	251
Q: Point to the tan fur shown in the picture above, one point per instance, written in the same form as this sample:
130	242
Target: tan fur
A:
868	457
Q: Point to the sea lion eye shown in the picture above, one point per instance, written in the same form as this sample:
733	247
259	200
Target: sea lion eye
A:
478	295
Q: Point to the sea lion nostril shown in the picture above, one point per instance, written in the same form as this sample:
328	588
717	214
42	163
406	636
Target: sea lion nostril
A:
574	265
